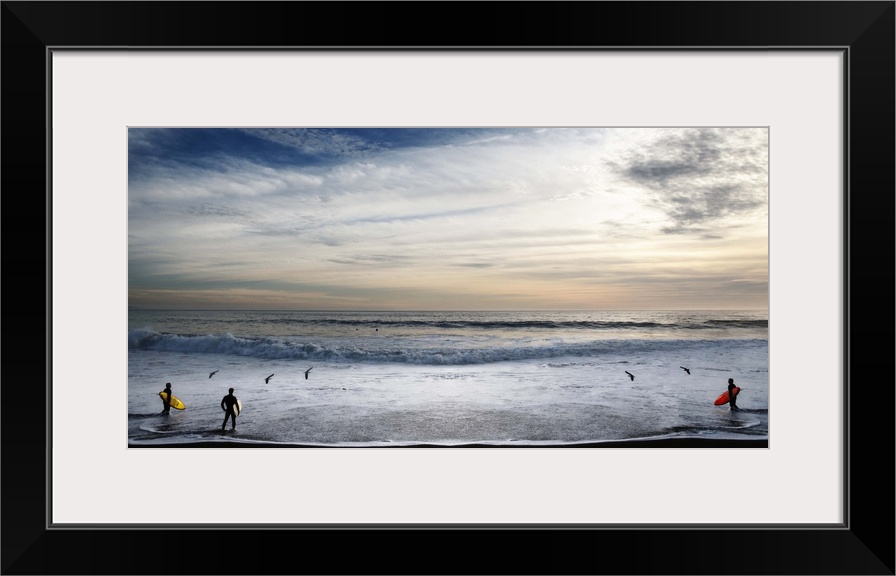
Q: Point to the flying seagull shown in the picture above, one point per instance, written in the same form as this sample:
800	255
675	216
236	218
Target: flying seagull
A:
307	371
268	378
212	373
630	375
685	369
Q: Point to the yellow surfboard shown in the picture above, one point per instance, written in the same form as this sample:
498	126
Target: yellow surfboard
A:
175	401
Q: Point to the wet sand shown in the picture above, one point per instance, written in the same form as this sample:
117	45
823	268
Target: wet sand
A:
646	443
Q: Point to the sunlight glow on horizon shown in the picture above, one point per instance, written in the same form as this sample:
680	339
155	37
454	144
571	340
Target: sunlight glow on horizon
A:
448	219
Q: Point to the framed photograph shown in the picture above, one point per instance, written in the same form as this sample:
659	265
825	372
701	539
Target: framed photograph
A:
448	287
784	112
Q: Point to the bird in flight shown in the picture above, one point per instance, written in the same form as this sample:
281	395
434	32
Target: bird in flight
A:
212	373
307	371
268	378
685	369
630	375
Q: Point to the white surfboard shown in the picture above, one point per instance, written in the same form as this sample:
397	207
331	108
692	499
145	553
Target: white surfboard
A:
237	408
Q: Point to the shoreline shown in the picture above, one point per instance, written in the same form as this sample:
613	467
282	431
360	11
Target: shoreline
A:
633	443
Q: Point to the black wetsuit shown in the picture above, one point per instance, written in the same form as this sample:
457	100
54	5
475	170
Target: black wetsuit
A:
166	401
227	404
732	397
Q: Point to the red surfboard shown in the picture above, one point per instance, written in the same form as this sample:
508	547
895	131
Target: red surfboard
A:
723	397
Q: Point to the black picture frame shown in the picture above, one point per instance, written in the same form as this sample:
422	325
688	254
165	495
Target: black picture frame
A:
864	544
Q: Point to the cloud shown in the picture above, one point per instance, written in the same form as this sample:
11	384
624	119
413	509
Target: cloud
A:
388	259
690	153
701	177
543	212
317	141
210	210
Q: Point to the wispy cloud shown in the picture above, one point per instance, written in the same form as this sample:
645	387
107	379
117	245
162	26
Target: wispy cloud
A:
473	213
317	141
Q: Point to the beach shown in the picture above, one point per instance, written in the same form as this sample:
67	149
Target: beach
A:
460	380
630	444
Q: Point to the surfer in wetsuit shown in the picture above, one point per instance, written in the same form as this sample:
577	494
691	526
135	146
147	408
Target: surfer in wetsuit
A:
732	398
166	401
227	404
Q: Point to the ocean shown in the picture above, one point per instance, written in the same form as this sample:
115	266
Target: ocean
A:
383	379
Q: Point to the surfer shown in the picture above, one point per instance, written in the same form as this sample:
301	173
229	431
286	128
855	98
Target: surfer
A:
266	380
307	371
166	400
227	404
630	375
732	397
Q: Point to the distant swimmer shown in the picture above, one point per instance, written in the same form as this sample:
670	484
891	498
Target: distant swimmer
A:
268	378
685	369
306	372
630	375
212	374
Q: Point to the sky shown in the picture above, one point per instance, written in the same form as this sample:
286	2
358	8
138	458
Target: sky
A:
448	218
